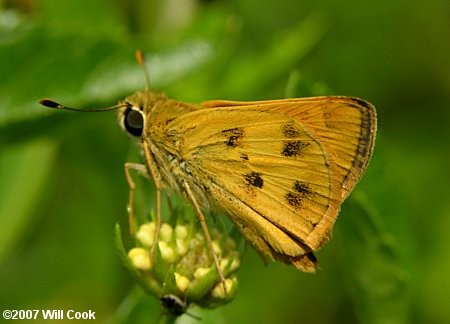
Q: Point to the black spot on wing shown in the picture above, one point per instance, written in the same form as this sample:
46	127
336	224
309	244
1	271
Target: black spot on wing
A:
302	188
244	157
254	179
300	191
170	120
294	199
293	148
290	130
233	136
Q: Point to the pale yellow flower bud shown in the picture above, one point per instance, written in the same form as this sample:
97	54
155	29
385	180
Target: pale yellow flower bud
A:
182	282
146	234
201	272
218	292
181	232
140	258
165	233
167	253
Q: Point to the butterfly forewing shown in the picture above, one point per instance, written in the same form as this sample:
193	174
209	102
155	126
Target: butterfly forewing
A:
277	182
347	126
279	169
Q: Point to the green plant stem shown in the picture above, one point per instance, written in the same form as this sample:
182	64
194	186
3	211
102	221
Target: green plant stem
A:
166	318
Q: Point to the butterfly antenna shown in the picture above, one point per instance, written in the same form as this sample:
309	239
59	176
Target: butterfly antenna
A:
53	104
141	60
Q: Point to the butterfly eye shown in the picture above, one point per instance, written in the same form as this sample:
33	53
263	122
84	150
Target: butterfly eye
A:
134	122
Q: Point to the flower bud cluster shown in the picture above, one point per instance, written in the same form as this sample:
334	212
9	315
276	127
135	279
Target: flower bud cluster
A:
182	266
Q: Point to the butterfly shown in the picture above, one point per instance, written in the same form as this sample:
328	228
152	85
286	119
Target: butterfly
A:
280	169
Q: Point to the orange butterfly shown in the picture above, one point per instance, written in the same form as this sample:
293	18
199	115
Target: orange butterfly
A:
280	169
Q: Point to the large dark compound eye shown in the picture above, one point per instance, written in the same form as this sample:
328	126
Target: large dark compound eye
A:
134	122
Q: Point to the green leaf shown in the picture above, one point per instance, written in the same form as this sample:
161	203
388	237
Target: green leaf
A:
371	264
24	171
150	285
250	75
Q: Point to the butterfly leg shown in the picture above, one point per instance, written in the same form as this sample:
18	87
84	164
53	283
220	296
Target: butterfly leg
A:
152	167
142	170
201	218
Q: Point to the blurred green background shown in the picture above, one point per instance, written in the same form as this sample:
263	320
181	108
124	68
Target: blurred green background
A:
62	185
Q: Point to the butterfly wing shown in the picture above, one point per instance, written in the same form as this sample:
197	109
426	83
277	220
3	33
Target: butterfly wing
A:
346	125
279	169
